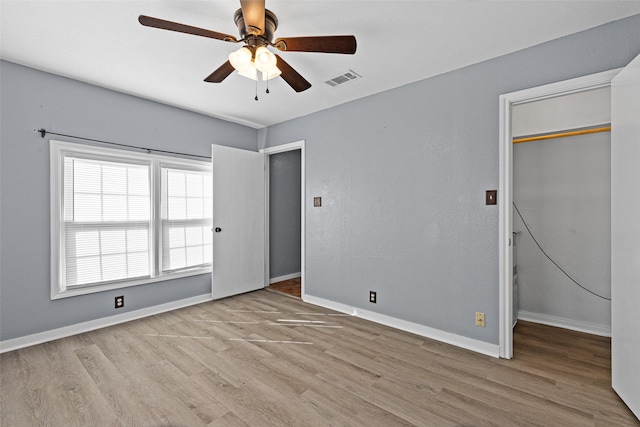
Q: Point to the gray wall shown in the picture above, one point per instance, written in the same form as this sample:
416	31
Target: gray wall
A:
403	175
32	99
284	213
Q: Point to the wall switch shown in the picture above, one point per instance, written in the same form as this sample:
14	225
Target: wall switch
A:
372	297
317	202
119	301
479	319
491	197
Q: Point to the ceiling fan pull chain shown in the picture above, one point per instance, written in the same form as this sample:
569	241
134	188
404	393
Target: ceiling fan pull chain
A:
256	98
267	91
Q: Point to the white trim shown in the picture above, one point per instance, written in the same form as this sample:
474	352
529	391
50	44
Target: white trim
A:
559	322
414	328
292	146
285	277
505	194
74	292
91	325
331	305
267	219
505	228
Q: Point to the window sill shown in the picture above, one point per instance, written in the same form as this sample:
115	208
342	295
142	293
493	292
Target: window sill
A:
58	294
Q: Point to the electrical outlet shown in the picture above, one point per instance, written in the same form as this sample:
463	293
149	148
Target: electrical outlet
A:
119	301
317	202
479	319
372	297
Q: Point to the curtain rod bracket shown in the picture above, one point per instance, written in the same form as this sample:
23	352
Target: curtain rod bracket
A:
42	131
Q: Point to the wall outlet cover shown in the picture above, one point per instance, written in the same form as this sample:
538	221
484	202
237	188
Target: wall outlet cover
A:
479	319
119	301
317	202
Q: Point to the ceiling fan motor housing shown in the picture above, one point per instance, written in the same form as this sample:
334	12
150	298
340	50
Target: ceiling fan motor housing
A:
270	26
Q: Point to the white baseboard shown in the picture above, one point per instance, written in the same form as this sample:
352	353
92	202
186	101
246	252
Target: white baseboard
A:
285	277
67	331
574	325
489	349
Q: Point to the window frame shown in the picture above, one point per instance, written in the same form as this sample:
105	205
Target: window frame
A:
58	151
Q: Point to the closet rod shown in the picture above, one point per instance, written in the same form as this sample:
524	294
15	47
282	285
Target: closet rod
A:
562	134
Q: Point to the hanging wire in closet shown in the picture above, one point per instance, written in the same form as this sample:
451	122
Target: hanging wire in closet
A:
551	259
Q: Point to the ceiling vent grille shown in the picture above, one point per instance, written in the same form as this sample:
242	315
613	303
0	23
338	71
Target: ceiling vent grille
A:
343	78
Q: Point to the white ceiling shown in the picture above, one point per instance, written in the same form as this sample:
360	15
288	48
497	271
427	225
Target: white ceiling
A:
399	42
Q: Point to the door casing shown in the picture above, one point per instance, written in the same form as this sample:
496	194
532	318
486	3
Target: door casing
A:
505	194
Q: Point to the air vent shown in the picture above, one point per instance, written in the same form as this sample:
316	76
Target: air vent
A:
343	78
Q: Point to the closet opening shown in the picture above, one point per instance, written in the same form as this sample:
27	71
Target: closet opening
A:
561	210
534	206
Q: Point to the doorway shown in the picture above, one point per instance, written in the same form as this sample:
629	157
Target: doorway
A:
285	218
507	102
562	211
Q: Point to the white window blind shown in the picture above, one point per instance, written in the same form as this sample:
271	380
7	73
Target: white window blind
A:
121	218
106	221
186	218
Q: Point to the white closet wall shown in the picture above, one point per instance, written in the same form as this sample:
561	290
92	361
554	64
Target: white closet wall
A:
578	110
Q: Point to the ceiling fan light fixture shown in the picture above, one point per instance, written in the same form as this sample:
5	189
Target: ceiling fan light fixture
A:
249	71
274	72
265	60
241	58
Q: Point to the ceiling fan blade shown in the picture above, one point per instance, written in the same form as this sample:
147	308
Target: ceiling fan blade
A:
291	76
253	14
326	44
221	73
149	21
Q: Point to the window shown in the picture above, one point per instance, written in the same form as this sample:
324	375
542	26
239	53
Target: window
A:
186	218
121	218
106	224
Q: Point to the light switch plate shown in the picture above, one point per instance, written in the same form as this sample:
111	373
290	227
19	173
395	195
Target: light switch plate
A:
491	197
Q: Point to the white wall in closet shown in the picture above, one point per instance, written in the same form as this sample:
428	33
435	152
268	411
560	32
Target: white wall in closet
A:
560	113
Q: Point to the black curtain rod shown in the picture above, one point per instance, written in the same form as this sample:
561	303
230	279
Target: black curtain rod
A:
43	132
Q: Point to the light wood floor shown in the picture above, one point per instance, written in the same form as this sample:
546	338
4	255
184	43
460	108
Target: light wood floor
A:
264	359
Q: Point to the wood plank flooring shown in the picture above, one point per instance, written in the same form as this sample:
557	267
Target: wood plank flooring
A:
264	359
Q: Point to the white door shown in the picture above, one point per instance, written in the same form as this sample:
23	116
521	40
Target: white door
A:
238	221
625	235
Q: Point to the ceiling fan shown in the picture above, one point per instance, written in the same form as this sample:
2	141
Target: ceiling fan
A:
257	26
